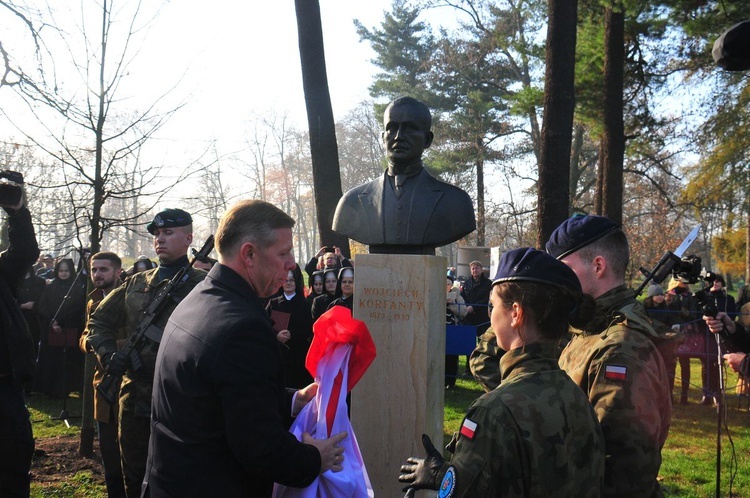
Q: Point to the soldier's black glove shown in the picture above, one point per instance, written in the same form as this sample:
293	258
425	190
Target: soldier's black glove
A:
423	473
116	364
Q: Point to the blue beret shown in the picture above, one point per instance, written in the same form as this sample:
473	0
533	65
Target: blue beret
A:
577	232
531	265
169	218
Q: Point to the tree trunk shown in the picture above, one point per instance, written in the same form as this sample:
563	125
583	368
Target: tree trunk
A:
86	442
613	138
323	148
481	221
559	101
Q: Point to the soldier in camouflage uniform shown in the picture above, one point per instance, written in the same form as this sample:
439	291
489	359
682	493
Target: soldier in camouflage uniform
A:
105	270
117	318
484	361
536	434
615	359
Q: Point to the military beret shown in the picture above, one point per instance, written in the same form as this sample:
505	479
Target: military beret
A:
527	264
577	232
169	218
732	49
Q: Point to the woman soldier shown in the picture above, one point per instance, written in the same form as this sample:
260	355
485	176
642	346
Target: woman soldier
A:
536	434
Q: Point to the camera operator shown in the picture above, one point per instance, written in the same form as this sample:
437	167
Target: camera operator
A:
16	348
713	298
733	336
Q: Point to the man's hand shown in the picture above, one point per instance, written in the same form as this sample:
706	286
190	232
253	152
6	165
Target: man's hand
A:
337	253
331	456
284	336
735	360
469	309
424	473
116	364
719	323
303	397
321	252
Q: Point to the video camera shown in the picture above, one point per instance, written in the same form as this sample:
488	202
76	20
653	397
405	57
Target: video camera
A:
687	269
11	187
706	302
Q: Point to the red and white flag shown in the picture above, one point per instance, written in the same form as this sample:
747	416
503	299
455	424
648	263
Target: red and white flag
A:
615	372
469	428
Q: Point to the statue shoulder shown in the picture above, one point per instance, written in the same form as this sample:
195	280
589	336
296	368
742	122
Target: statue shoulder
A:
455	197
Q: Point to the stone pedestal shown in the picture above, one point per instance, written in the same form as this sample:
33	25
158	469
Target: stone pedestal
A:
401	298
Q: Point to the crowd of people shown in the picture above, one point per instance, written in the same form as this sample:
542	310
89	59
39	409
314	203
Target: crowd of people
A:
577	370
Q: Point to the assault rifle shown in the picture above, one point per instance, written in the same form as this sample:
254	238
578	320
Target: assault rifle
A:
109	385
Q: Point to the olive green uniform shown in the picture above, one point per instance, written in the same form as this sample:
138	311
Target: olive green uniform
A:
535	435
616	361
117	318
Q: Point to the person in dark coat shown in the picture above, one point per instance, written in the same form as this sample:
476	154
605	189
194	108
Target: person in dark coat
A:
320	303
476	294
62	313
29	294
316	288
718	297
16	356
294	330
220	408
344	289
327	257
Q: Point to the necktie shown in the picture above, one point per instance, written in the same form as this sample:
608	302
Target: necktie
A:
398	182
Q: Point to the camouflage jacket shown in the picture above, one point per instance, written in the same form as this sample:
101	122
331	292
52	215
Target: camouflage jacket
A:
535	435
484	361
101	407
616	361
117	318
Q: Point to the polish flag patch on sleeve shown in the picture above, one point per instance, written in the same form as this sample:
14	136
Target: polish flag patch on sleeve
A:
615	372
468	429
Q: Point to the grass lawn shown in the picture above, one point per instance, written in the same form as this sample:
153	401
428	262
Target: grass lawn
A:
689	456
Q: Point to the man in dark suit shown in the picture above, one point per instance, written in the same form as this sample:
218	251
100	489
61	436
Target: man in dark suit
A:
220	410
407	210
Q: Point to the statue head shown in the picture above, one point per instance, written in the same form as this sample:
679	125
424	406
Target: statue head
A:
407	134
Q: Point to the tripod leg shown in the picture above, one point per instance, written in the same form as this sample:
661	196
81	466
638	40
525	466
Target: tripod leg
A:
721	401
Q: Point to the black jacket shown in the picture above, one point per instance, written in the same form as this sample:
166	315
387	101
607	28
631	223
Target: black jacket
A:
16	346
219	408
294	352
477	295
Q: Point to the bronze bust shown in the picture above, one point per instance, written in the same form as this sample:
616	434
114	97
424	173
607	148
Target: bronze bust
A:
406	210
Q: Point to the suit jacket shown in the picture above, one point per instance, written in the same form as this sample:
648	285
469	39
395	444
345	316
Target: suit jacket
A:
220	408
440	213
